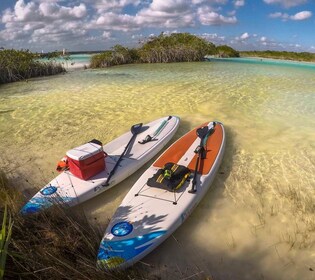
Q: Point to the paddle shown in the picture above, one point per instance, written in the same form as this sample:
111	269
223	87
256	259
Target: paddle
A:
135	129
203	133
149	138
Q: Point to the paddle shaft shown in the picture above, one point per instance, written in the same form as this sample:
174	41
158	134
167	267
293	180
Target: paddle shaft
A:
120	158
200	155
193	187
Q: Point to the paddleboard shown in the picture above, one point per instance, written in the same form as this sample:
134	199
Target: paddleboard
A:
149	214
68	189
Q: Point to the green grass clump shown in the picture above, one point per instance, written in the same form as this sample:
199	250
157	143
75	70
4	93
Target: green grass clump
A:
5	237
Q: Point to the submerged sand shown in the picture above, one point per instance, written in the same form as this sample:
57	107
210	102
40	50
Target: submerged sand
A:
256	222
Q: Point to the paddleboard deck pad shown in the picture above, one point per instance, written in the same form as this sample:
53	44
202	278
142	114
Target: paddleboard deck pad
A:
69	189
150	214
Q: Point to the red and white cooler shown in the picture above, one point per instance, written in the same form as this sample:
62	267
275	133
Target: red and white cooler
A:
86	160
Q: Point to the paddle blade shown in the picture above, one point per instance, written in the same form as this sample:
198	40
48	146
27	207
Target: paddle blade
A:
135	129
202	132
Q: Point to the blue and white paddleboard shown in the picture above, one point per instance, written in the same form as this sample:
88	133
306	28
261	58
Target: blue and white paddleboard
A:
149	215
70	190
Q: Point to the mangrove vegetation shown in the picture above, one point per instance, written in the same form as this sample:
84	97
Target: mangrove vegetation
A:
177	47
225	51
20	65
296	56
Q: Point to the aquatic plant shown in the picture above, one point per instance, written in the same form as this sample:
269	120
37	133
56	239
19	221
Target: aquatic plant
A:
20	65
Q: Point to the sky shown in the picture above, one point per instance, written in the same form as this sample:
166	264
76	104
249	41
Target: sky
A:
78	25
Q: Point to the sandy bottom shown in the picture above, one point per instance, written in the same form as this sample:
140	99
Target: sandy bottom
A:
257	220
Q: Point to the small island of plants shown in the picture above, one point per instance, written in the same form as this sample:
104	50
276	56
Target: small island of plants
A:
20	65
177	47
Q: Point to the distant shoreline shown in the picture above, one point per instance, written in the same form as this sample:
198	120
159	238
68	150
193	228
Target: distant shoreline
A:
266	59
282	55
277	59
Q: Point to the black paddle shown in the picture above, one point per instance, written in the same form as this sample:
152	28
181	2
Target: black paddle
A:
135	129
202	133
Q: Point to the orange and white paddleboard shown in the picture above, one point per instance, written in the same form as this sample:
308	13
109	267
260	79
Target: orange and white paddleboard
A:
150	214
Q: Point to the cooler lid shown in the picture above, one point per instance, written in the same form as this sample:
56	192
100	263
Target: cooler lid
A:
84	151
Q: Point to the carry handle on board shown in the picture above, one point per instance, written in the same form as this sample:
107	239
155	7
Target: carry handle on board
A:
203	133
149	138
135	129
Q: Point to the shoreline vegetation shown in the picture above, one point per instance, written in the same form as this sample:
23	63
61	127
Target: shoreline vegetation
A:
281	55
22	65
59	243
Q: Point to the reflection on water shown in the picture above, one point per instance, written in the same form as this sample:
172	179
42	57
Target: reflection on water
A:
259	216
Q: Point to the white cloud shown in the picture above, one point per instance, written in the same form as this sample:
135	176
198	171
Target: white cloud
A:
159	14
214	38
210	2
53	10
208	17
121	22
239	3
166	14
110	5
301	15
170	6
245	36
279	15
41	22
298	16
44	12
24	11
107	35
286	3
263	39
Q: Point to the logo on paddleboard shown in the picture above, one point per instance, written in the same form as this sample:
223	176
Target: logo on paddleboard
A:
122	229
48	190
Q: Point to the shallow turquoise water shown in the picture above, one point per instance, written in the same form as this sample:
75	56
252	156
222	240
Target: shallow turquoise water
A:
261	204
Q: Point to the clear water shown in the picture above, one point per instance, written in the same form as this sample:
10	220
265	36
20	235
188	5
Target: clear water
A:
73	60
258	218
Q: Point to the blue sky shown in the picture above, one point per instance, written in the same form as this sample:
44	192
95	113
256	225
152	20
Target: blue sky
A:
100	24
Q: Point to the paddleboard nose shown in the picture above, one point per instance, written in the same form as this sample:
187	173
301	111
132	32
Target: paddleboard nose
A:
35	205
121	252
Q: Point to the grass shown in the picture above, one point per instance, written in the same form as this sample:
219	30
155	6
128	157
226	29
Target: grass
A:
5	236
56	244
